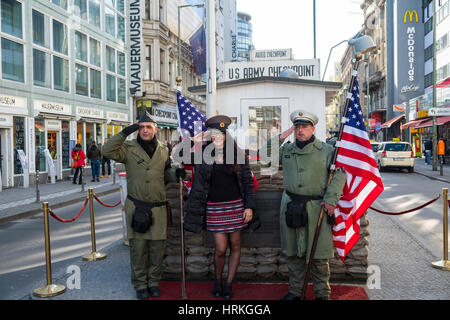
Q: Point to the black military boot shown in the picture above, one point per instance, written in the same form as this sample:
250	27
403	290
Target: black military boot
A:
154	292
291	297
141	294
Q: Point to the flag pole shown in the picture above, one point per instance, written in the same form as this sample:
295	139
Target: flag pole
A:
332	170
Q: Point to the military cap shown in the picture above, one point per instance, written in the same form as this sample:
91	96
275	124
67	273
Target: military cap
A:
219	122
304	117
147	117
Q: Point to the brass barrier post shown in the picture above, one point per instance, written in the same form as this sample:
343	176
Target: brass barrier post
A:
94	255
50	290
444	264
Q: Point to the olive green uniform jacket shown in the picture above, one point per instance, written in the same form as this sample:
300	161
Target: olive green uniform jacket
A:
305	172
146	181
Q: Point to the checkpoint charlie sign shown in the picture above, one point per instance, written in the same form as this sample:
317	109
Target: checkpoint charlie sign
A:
306	69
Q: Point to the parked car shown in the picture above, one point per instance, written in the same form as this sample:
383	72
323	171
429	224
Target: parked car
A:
392	154
374	146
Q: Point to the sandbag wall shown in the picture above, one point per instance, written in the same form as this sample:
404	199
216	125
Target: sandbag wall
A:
261	257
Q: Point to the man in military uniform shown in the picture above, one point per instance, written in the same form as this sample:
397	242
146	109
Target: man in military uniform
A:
148	170
306	163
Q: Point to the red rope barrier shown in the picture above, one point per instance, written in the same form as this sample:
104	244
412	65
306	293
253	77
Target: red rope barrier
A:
106	205
74	218
406	211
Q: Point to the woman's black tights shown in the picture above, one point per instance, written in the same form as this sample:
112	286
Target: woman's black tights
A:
221	243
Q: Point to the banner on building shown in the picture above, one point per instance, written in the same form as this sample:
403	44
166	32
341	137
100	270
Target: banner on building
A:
136	47
198	45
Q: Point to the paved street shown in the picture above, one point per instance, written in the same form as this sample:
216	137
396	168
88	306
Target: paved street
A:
22	243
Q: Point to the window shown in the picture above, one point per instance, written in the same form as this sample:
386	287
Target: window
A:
41	69
11	18
12	60
96	84
60	37
81	83
121	63
94	57
121	91
148	63
115	18
65	137
80	46
80	8
111	59
39	139
61	74
94	12
110	88
41	29
110	21
61	3
147	13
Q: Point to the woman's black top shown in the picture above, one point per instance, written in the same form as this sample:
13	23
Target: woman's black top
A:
224	184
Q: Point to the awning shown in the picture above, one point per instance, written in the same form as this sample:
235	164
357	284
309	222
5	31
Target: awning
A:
413	124
439	121
389	123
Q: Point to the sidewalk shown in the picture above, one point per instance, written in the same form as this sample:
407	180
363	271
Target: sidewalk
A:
17	203
427	170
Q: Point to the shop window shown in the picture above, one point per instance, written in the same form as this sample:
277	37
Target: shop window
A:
39	140
99	133
264	123
65	151
109	131
89	135
19	142
80	133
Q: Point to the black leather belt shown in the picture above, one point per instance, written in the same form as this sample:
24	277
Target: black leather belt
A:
300	197
147	204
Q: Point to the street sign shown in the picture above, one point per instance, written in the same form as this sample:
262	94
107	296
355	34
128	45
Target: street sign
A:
435	112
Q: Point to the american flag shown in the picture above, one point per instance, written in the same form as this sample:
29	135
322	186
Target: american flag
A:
363	184
191	121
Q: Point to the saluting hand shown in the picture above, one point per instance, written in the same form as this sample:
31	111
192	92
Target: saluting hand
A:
248	215
287	133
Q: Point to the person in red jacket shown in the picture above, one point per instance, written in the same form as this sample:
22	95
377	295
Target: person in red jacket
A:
78	158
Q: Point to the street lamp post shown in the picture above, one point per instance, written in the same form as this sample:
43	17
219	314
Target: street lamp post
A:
435	158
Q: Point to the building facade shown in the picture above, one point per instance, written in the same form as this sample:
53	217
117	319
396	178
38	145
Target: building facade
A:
63	80
160	70
245	36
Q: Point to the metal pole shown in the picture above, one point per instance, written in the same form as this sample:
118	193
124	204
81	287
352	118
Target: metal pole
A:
183	267
314	18
94	255
444	264
435	160
38	195
211	95
50	290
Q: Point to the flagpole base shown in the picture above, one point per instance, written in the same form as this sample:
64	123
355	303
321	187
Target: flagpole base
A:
442	265
51	290
94	256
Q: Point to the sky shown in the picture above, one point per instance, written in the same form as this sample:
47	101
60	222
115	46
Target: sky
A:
284	24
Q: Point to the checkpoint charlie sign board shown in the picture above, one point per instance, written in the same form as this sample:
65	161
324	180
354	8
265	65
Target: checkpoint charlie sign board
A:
308	69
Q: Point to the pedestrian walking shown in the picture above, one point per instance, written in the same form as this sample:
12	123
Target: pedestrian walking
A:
221	200
306	163
148	170
428	148
94	155
78	158
106	162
